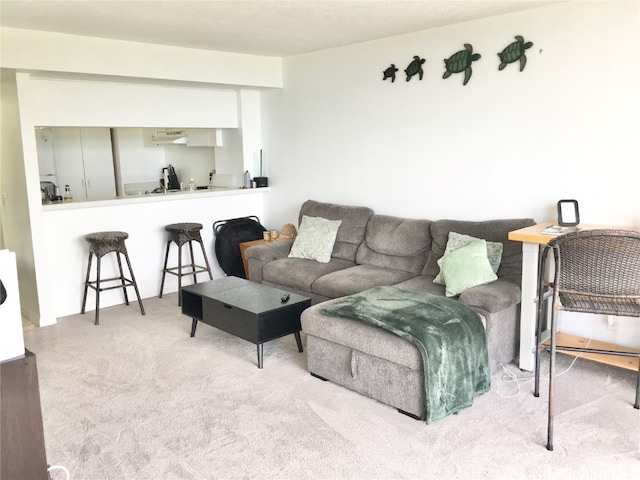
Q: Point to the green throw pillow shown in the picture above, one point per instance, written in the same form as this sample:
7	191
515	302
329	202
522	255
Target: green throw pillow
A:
459	240
466	267
315	240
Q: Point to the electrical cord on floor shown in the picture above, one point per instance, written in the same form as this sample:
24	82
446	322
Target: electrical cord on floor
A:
510	377
59	467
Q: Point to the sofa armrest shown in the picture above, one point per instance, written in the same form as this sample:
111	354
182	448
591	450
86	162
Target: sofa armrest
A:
492	297
259	255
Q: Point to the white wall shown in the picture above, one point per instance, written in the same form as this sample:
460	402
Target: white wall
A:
14	207
136	161
508	144
192	162
64	102
74	54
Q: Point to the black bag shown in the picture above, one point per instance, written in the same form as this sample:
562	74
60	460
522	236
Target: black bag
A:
229	235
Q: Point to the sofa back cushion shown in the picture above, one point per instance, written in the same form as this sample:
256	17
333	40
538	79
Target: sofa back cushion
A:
352	229
491	230
396	243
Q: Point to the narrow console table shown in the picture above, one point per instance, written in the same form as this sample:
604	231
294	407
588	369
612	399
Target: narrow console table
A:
243	248
532	239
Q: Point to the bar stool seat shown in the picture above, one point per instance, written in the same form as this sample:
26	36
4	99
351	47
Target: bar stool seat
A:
102	243
181	233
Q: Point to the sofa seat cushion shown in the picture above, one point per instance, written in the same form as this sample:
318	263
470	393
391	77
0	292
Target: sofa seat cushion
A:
360	337
356	279
300	273
422	283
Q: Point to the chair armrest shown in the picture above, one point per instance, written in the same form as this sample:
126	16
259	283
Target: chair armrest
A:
259	255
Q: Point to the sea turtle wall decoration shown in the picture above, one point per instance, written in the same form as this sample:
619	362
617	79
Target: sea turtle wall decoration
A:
415	67
514	51
390	73
461	62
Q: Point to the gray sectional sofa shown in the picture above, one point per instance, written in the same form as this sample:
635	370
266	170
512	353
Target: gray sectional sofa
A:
374	250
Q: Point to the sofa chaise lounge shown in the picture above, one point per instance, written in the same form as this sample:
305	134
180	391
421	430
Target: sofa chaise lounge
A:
373	250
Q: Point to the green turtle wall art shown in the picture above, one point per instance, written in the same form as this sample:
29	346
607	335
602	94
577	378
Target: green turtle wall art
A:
390	73
415	67
514	51
461	62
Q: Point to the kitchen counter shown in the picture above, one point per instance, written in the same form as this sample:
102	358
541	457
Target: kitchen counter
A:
154	197
62	272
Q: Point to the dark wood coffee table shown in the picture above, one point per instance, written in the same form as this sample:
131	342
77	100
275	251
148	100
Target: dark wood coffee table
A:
248	310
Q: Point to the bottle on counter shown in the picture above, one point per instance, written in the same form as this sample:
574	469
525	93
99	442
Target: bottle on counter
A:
192	185
67	194
247	179
165	179
57	197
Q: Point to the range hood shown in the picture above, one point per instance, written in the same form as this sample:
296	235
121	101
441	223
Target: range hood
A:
165	137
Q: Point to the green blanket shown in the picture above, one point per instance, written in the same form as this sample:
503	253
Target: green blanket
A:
449	335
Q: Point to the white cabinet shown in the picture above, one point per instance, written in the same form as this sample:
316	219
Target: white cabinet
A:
84	161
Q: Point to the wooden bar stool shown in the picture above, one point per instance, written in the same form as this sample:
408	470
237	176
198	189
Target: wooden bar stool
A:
181	233
102	243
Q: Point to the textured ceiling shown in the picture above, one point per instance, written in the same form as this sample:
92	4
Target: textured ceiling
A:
262	27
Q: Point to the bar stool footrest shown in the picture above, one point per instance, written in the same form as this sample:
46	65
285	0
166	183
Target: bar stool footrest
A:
185	273
127	283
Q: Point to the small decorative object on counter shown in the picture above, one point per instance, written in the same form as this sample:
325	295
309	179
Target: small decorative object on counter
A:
192	185
274	235
261	182
67	194
288	231
266	236
57	197
247	179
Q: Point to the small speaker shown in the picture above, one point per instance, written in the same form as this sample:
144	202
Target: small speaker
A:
261	181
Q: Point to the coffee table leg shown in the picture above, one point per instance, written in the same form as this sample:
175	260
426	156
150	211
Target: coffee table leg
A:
260	355
298	341
194	324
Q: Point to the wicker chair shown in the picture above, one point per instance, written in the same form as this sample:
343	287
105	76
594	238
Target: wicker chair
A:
596	271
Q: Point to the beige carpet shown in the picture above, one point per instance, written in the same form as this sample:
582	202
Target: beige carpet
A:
137	398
